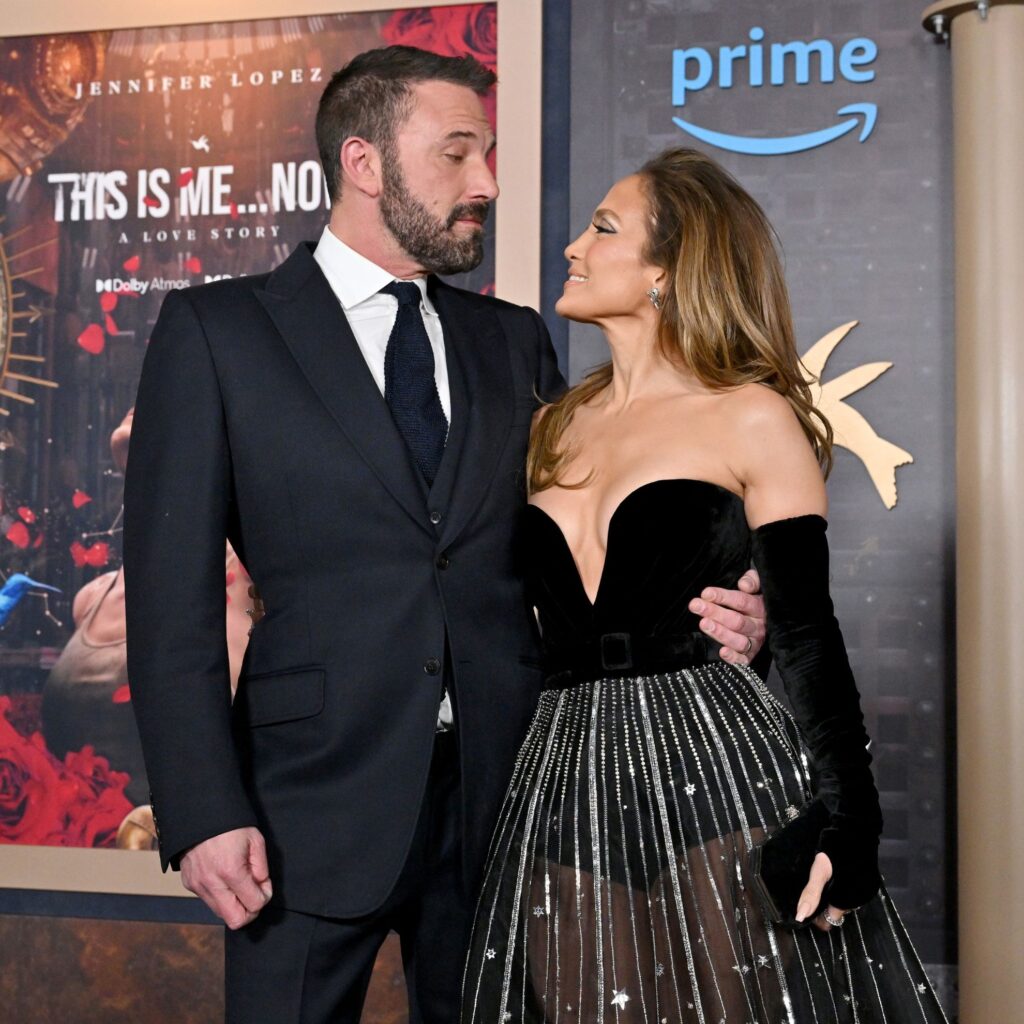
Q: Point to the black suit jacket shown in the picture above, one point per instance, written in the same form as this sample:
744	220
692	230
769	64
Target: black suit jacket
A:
258	420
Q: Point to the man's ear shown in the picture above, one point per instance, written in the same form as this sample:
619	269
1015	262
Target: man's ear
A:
360	167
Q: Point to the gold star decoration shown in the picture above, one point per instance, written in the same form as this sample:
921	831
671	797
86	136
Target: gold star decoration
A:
852	430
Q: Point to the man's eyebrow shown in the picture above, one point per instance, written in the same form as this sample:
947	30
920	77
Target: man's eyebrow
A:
459	134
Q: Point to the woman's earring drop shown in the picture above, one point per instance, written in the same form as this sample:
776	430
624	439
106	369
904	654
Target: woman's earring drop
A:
655	296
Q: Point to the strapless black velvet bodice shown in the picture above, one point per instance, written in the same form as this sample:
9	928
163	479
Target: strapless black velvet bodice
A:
667	541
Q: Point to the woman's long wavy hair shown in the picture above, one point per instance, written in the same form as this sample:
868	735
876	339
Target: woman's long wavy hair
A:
725	315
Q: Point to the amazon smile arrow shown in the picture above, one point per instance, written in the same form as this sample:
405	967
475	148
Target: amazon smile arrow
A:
787	143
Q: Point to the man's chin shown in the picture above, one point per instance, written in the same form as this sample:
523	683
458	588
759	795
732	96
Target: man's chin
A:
460	264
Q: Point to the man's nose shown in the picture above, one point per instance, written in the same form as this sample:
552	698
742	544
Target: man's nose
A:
484	186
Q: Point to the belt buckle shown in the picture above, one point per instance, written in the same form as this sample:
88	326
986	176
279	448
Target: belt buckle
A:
616	651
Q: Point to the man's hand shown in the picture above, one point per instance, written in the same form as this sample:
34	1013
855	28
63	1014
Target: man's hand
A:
229	874
735	618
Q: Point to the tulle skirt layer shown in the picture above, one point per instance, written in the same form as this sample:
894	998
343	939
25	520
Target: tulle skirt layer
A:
618	887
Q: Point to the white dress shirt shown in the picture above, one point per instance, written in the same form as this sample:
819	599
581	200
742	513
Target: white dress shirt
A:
357	281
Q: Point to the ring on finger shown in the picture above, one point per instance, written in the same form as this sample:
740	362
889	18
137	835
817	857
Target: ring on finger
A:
830	920
749	647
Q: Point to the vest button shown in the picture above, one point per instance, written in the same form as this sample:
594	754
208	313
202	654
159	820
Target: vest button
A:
443	562
432	666
436	517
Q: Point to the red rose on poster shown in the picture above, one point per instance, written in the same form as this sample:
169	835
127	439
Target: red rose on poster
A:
27	514
108	302
471	30
467	30
98	804
32	790
410	28
132	264
80	498
44	802
194	265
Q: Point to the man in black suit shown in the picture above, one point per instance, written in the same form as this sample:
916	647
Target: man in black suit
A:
357	429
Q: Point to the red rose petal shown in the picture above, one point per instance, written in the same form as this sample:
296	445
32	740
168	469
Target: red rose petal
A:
92	339
38	542
194	265
111	326
185	177
150	201
98	555
80	498
234	211
122	695
108	302
132	264
27	514
18	535
77	554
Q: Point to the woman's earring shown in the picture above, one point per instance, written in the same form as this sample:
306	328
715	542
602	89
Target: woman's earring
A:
655	296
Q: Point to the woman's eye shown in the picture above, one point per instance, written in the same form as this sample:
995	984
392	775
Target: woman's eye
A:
602	230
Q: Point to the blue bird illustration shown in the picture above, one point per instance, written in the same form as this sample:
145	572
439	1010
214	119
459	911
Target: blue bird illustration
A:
16	587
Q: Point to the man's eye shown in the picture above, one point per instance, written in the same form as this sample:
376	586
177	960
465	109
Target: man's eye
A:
456	158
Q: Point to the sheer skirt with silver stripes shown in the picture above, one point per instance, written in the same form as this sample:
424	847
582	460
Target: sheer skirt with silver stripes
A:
617	886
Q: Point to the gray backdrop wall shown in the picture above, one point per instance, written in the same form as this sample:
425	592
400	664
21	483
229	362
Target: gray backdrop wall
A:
866	230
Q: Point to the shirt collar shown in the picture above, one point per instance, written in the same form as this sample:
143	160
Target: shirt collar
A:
352	277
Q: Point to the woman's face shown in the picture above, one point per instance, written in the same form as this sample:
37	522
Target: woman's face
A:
608	275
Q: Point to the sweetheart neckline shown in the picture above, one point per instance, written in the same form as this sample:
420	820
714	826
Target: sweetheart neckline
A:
618	508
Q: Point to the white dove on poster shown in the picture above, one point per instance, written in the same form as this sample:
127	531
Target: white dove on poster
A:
202	143
852	430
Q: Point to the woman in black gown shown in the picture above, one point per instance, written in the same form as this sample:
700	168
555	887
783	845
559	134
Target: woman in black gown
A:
619	885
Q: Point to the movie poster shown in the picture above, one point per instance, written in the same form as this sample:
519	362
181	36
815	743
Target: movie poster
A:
132	163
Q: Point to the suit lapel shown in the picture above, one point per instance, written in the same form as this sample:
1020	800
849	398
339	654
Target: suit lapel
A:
310	319
482	405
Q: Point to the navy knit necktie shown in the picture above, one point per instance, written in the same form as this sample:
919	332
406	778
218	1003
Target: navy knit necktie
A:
409	386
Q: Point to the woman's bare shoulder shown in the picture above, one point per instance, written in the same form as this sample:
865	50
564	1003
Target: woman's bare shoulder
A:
758	406
88	595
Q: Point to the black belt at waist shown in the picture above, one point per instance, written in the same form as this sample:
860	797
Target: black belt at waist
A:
625	654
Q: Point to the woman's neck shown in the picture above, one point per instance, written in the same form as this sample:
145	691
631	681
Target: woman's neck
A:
640	369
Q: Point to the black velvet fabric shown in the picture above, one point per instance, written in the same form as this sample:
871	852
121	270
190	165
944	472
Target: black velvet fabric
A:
667	541
782	864
792	557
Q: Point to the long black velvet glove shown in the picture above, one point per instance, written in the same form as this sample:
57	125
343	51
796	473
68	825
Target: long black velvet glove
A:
791	556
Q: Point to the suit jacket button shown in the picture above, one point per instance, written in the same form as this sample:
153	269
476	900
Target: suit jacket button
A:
436	517
432	666
443	562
